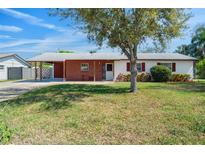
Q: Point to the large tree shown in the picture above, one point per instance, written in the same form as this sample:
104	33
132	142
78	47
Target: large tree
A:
186	50
198	42
196	48
127	29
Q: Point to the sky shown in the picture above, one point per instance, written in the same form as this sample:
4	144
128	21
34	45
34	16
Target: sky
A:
29	32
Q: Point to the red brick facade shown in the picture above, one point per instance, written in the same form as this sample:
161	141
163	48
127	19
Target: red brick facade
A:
74	73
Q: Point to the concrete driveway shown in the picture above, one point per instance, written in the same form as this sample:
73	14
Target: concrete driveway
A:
13	89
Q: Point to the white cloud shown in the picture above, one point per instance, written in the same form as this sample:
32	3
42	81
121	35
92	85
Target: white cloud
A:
31	19
5	36
10	28
65	39
57	41
18	43
70	40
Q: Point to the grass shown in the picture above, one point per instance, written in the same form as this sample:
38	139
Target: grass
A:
200	80
4	81
7	80
160	113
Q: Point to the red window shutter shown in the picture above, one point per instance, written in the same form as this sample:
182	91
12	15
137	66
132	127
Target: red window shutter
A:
173	67
128	67
143	67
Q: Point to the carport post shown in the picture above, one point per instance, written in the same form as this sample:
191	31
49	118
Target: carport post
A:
40	70
35	70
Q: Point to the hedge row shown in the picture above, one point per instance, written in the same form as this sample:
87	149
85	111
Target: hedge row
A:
142	77
180	77
159	73
146	77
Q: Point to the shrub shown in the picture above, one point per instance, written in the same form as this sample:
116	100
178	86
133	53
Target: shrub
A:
160	73
180	77
201	68
5	133
141	77
123	77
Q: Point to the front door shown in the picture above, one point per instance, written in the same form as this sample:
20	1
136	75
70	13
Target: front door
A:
109	71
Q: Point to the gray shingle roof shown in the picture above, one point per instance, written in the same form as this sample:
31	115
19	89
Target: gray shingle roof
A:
49	57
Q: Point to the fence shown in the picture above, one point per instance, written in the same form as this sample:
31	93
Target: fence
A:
28	73
19	73
47	73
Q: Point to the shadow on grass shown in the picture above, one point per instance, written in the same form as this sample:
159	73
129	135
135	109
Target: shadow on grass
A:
62	96
179	86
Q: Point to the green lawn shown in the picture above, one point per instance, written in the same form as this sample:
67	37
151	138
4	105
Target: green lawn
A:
6	81
160	113
200	80
3	81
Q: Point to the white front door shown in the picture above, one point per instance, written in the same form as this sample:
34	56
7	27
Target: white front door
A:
109	71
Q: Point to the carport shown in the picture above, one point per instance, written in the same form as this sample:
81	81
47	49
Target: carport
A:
49	62
43	69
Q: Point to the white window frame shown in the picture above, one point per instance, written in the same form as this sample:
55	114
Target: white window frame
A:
83	69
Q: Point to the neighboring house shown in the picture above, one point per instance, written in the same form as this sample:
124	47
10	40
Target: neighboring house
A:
107	66
11	66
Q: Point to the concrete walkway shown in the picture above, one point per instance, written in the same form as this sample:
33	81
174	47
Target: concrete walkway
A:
11	89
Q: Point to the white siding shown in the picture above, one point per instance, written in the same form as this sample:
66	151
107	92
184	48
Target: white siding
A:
120	67
185	67
8	62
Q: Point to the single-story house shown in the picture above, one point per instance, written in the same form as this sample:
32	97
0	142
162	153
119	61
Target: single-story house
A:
107	66
11	66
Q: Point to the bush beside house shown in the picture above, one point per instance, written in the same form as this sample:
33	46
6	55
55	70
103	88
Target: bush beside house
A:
201	68
141	77
144	77
160	73
180	77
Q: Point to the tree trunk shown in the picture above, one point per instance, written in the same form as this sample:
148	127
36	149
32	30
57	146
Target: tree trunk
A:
133	84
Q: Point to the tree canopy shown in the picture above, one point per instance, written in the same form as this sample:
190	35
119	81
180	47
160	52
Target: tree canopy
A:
197	46
127	29
201	68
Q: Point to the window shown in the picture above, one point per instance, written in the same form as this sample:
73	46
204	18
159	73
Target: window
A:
1	67
171	66
109	67
140	67
84	67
